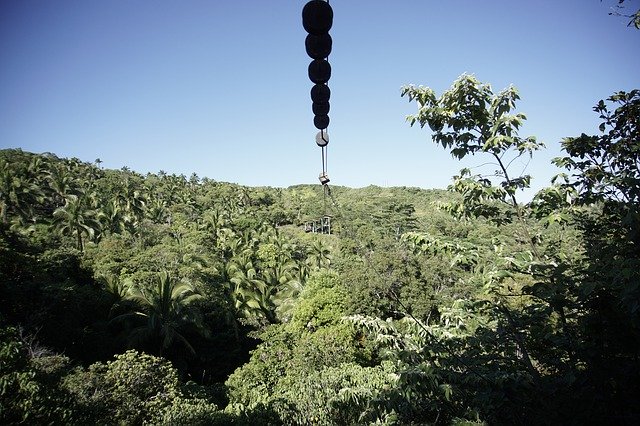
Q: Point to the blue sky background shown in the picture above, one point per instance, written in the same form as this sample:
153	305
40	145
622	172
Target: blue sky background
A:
220	88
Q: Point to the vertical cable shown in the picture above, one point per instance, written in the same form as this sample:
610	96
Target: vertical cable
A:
326	157
324	202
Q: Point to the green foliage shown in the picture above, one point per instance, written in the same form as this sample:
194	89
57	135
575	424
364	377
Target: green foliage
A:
323	303
605	167
330	346
252	385
314	340
194	412
49	293
29	390
543	292
164	309
20	192
345	394
76	219
605	171
470	119
419	391
131	389
313	380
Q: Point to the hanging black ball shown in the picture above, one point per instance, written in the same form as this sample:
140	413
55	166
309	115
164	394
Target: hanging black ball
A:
320	93
320	108
317	17
318	46
319	71
321	121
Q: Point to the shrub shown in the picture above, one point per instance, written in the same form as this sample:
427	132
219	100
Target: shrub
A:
29	391
132	389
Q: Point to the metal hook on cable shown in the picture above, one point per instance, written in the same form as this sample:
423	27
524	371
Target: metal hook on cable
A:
322	140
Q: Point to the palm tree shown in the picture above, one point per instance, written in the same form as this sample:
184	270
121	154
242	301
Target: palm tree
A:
62	184
132	202
118	288
291	285
18	193
76	218
112	218
319	256
38	169
114	285
7	190
213	223
157	211
249	291
166	308
245	291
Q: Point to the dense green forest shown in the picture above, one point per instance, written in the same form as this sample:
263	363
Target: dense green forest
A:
164	299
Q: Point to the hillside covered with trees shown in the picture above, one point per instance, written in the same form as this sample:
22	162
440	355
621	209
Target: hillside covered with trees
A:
164	299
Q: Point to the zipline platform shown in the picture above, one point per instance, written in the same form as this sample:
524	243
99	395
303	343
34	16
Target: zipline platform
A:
320	226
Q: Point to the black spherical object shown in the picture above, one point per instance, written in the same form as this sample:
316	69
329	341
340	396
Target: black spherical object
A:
320	108
321	121
319	71
318	46
320	93
317	17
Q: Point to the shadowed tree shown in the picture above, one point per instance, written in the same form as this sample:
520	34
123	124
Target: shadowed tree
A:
165	309
554	305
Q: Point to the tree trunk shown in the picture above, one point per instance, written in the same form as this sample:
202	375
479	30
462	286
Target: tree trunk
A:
80	245
521	347
3	212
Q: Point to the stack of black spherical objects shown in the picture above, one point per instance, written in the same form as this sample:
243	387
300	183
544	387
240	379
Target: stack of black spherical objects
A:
317	18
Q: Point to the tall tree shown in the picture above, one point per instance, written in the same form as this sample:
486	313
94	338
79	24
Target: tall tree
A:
554	305
605	174
19	192
319	255
77	218
166	308
606	167
470	119
62	183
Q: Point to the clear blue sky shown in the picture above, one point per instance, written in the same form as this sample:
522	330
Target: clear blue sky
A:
220	88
